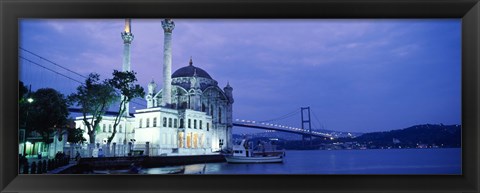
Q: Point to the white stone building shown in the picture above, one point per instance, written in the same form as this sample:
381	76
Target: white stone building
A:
191	115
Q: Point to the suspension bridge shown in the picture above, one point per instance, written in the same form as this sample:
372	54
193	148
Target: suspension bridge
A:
32	63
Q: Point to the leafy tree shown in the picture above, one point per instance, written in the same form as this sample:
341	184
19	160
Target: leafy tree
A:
24	107
75	135
123	82
94	98
48	112
22	104
22	91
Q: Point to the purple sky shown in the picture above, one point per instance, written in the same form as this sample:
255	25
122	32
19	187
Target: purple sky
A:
356	75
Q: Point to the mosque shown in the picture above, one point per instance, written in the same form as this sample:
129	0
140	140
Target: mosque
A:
191	115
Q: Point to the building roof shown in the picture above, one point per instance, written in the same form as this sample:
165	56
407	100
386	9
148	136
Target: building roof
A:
190	71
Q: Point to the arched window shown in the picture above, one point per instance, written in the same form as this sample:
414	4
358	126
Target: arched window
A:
219	115
164	122
194	123
109	128
174	123
148	123
170	122
204	108
189	123
211	110
104	128
140	123
200	124
120	129
155	122
181	123
208	126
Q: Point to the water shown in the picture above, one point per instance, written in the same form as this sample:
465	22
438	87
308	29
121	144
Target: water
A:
372	161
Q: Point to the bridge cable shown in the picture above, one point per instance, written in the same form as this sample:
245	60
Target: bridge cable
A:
281	117
316	117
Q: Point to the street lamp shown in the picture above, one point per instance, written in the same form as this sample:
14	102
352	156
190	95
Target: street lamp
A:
29	100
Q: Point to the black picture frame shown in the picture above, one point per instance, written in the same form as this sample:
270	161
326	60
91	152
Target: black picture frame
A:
13	10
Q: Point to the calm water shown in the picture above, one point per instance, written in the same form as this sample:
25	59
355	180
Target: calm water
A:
374	161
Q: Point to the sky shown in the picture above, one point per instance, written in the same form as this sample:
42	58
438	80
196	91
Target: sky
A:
357	75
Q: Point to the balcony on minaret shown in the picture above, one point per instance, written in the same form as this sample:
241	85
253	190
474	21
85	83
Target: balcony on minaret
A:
168	25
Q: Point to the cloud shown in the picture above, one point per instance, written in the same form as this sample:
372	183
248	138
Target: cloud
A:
339	67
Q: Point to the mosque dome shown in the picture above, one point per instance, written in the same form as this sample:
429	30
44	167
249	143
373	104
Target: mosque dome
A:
190	71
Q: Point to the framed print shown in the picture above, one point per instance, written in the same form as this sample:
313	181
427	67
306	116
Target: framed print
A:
240	96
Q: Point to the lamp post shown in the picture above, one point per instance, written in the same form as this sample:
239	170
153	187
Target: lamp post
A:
30	101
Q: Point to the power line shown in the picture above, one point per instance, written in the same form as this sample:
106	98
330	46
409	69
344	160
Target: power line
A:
61	74
53	63
50	69
72	71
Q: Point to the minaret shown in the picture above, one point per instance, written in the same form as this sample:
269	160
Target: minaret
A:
168	26
127	37
151	93
229	113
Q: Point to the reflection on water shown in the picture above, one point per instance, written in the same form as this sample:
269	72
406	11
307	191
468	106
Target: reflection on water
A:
376	161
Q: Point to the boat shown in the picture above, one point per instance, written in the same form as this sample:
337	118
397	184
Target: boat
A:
262	153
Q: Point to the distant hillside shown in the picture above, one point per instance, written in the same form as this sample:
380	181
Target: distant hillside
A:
428	134
418	136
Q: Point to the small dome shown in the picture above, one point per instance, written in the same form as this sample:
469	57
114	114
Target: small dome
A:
190	71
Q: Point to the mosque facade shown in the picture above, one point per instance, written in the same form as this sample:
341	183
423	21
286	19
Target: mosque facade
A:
191	115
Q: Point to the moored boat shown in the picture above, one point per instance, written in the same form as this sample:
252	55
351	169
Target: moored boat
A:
263	153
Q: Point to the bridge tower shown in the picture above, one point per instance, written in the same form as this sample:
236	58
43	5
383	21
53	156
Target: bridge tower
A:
305	115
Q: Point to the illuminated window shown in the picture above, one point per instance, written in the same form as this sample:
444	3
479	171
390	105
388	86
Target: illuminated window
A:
155	122
189	140
170	122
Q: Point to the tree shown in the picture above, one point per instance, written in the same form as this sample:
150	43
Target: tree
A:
22	104
22	91
75	135
94	98
48	112
123	82
24	107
